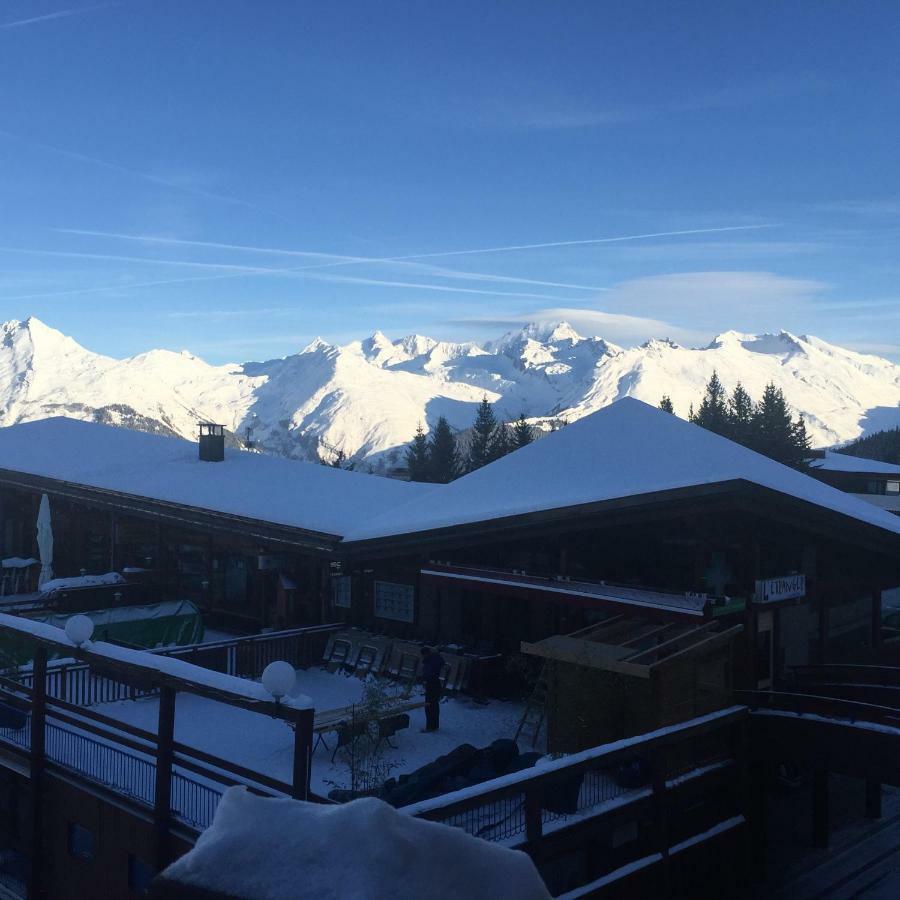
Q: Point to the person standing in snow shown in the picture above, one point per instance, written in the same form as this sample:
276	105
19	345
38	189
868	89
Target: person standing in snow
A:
432	666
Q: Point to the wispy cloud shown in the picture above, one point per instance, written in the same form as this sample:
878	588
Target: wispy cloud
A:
537	111
714	295
59	14
148	260
176	184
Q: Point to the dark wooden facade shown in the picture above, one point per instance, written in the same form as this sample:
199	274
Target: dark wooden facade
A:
716	539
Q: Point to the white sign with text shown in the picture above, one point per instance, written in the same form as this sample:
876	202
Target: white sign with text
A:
787	587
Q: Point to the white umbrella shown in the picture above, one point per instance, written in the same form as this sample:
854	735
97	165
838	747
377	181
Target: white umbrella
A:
45	541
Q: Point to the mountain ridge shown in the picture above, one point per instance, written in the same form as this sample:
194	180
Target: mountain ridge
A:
367	397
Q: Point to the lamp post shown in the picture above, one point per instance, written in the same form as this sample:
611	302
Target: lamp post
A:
278	678
79	629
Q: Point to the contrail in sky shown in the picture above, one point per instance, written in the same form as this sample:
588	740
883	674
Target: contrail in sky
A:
343	260
135	173
61	14
338	259
237	271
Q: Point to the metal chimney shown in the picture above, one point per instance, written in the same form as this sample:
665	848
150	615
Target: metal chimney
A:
212	442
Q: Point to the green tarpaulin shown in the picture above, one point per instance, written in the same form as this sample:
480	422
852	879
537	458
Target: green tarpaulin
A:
171	622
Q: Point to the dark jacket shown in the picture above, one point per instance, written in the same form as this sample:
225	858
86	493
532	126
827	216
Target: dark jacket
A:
432	666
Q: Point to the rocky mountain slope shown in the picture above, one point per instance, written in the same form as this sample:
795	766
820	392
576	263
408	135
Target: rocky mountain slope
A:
367	397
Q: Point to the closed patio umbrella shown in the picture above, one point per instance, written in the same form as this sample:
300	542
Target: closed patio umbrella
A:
45	541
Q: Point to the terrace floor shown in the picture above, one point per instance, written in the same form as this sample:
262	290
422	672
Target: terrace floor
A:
266	745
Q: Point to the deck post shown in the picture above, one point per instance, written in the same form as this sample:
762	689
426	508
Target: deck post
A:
534	820
303	746
165	752
38	721
820	809
873	799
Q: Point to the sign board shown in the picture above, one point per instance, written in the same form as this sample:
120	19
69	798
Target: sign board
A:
696	597
787	587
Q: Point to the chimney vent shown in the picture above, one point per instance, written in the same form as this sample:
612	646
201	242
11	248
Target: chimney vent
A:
212	442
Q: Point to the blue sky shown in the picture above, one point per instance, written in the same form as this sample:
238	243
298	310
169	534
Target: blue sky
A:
238	177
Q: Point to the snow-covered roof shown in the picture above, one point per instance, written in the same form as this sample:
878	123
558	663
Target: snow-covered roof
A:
841	462
270	489
626	449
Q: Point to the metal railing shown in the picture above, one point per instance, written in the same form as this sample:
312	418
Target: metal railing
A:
122	759
528	805
247	656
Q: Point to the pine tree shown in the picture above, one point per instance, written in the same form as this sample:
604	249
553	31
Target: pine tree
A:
443	454
713	413
417	457
483	432
740	416
774	432
522	435
802	444
501	442
665	404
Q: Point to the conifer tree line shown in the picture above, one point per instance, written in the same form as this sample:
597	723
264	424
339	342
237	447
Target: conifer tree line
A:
765	426
883	446
437	456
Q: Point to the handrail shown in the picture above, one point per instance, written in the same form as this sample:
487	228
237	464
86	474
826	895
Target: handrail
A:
247	639
814	704
609	754
886	676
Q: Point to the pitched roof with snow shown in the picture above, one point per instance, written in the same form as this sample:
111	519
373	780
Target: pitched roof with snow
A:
624	450
842	462
266	488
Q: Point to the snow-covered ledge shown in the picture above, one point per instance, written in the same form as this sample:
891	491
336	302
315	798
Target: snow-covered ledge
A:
181	675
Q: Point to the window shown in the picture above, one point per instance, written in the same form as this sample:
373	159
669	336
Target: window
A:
394	601
874	487
81	841
892	487
340	591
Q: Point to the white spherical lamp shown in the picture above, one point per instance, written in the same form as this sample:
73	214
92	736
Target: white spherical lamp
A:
278	678
79	629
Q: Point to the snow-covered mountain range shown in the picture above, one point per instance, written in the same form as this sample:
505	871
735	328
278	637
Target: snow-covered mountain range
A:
367	397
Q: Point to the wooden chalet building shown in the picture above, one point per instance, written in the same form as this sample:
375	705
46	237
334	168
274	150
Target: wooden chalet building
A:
629	510
875	482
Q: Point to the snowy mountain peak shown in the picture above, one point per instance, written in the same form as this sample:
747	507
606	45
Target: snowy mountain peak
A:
367	397
315	345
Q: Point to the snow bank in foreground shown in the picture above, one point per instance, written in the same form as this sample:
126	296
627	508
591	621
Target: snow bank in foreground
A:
277	849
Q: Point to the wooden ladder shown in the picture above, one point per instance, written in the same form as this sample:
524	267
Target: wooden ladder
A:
535	713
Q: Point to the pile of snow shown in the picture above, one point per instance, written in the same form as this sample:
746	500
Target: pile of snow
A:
278	849
79	581
367	397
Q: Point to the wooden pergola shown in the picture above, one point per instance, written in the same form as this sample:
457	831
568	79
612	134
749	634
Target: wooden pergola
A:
630	674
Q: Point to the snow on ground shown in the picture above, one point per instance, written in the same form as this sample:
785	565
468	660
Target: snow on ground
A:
266	745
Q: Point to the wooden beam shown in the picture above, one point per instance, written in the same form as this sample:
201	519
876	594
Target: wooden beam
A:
653	631
303	750
675	640
582	653
165	755
713	641
38	720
